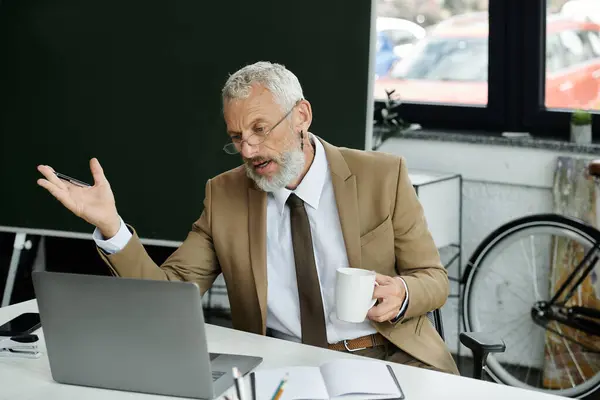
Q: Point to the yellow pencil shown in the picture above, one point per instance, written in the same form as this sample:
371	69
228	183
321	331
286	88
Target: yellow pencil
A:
279	391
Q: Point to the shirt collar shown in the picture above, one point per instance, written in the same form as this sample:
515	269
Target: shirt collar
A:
309	190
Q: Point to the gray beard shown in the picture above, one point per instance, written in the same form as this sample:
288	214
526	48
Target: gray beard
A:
291	164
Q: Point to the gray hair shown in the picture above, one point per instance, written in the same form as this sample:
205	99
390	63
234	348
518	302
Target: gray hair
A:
281	82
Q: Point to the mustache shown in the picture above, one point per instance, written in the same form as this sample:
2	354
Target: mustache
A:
259	160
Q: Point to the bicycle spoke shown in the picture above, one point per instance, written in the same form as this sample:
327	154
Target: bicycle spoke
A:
552	269
521	326
591	364
579	370
523	343
507	328
513	317
570	350
560	355
504	278
582	345
531	266
547	344
511	291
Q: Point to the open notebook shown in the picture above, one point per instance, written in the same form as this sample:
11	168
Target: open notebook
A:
339	379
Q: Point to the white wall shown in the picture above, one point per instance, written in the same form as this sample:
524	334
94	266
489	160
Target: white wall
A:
500	183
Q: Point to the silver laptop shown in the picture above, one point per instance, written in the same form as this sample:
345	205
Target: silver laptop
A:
132	335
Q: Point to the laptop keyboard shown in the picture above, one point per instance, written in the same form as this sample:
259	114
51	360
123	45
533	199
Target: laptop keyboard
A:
216	375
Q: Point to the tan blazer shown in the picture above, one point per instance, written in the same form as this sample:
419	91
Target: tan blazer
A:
384	230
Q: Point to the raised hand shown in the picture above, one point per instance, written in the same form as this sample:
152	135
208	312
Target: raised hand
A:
95	204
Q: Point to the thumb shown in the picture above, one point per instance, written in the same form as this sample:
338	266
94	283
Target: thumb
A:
97	171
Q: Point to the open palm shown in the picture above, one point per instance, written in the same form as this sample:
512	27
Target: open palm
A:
94	204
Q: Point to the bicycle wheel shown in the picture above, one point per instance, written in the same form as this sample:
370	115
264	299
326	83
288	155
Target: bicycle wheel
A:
516	266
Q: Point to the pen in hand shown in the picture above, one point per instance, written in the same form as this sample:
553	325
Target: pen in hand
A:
69	179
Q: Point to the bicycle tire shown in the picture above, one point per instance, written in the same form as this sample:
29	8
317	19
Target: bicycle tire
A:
576	226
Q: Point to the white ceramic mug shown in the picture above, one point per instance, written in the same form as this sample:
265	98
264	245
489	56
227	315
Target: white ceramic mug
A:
354	293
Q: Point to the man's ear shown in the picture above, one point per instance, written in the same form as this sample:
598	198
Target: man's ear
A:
304	115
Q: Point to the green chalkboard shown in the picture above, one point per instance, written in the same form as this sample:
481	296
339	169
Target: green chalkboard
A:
137	84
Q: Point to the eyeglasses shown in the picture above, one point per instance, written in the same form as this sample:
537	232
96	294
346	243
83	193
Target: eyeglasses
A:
256	138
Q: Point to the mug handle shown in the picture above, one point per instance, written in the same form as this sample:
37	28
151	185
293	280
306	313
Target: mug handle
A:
374	300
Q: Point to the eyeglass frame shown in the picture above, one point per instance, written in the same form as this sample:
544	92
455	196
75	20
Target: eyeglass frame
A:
263	136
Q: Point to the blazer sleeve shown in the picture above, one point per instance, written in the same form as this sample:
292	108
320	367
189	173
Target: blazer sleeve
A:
194	261
417	258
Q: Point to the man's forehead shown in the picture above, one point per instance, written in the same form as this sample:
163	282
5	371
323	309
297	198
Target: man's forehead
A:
256	102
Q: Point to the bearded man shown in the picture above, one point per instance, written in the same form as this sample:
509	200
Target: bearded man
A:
280	225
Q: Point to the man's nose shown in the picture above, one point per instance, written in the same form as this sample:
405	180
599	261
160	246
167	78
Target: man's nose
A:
248	151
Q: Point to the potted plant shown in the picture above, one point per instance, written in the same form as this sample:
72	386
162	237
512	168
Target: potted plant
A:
581	127
387	121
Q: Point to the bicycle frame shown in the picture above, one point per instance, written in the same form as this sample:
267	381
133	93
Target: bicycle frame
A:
584	319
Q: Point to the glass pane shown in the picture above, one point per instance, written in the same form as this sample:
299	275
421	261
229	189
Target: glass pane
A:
432	51
573	54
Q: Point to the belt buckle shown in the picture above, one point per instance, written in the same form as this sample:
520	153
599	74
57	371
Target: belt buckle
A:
351	350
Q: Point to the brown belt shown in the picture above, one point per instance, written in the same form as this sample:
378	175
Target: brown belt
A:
360	343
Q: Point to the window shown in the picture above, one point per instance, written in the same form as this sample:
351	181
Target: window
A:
576	84
448	64
491	65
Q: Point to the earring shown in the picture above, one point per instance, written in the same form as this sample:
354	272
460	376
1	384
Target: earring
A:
302	140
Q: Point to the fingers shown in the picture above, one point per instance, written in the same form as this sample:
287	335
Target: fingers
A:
391	314
384	291
390	293
97	171
385	310
387	287
50	176
59	193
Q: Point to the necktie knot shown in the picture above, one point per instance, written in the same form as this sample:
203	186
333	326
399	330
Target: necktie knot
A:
294	201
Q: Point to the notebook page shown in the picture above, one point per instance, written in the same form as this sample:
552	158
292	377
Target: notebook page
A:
303	383
345	377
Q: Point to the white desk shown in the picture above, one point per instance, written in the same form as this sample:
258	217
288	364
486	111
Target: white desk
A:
28	379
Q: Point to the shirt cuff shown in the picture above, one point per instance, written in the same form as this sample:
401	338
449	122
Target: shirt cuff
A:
404	304
115	243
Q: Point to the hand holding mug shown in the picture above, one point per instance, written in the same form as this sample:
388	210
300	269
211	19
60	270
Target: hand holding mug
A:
354	293
391	294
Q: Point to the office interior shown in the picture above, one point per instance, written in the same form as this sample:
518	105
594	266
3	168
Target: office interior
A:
493	104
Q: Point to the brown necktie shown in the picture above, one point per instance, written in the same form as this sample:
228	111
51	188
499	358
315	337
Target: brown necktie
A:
312	318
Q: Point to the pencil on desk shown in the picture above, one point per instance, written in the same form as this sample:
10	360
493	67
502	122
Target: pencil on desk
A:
279	390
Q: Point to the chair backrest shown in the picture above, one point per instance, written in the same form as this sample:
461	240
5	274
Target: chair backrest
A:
435	317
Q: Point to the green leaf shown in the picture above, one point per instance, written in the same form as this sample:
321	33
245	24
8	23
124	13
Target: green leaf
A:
581	117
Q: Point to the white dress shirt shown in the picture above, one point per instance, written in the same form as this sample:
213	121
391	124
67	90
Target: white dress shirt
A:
283	307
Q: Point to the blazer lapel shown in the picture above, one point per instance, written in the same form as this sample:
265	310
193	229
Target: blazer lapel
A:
346	198
257	233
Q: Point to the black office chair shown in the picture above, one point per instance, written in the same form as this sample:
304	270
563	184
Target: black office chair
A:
481	344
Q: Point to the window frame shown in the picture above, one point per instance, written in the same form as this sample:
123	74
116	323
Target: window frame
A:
539	120
516	84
